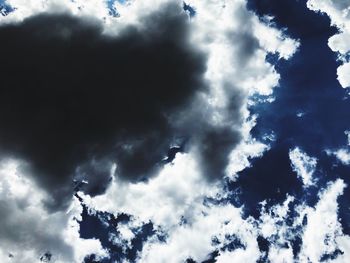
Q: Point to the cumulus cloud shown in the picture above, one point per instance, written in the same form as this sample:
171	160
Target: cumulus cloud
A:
207	228
247	149
339	13
315	230
343	153
303	165
212	228
323	235
30	232
167	196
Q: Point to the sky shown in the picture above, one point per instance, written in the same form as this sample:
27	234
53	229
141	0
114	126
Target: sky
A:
174	131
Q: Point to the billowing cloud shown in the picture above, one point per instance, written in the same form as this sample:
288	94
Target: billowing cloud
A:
339	13
29	232
213	228
322	235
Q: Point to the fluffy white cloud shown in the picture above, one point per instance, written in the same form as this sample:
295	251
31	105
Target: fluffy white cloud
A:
210	227
323	233
281	255
342	154
194	239
343	72
303	165
318	227
163	199
339	13
26	8
247	149
28	230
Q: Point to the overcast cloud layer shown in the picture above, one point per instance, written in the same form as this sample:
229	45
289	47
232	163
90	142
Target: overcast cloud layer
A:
126	128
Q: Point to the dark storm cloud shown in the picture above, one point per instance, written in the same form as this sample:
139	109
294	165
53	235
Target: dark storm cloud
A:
75	101
70	94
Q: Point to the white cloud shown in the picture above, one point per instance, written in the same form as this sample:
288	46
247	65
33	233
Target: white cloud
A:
26	8
323	230
274	40
321	235
126	234
343	72
318	227
237	43
194	239
339	13
303	165
163	199
248	148
194	225
281	255
342	154
28	230
272	220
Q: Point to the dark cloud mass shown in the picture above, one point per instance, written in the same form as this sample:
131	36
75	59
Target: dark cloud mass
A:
70	94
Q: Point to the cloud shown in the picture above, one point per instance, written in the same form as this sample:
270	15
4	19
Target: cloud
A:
196	238
303	165
29	231
315	230
211	227
342	154
73	94
232	74
343	72
216	123
104	107
166	196
323	234
90	96
247	149
339	13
